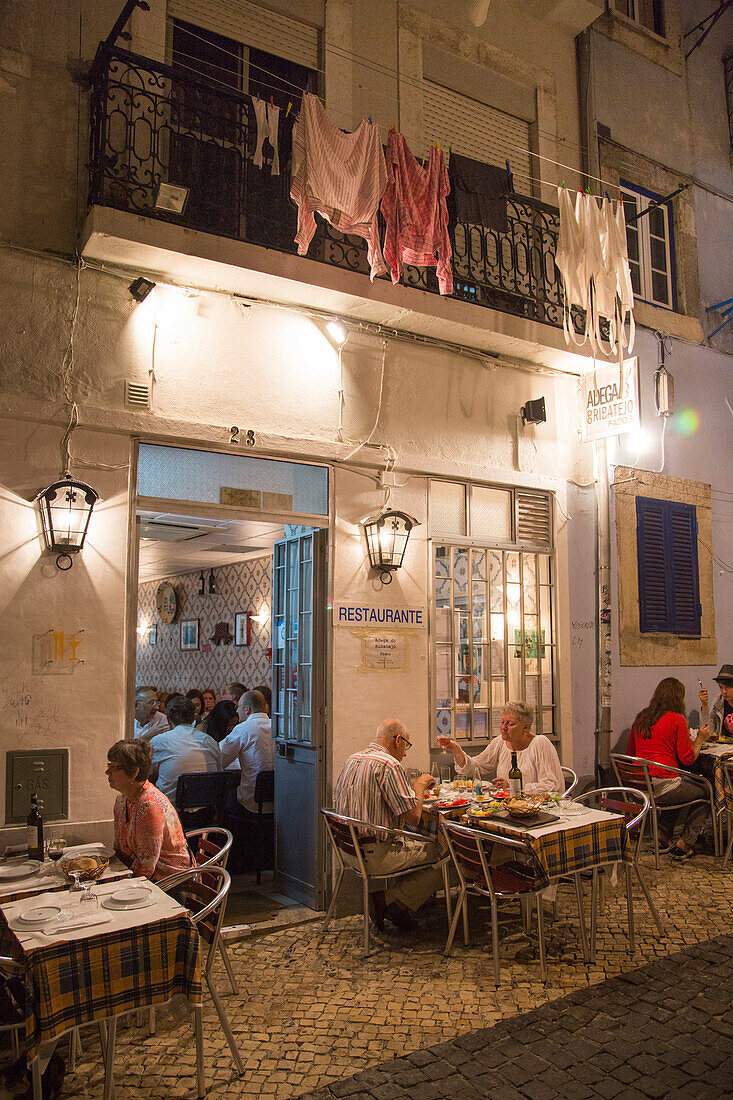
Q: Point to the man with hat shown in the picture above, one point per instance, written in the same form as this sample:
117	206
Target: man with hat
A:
720	718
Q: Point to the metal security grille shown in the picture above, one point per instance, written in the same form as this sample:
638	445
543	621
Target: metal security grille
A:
475	130
252	25
493	639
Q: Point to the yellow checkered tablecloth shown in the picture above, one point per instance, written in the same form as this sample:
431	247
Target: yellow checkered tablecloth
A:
569	848
79	981
711	766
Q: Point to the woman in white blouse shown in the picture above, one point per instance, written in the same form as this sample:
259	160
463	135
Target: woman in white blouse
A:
536	755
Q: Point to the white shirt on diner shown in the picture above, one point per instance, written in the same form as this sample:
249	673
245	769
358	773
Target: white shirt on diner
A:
180	751
250	745
157	724
538	763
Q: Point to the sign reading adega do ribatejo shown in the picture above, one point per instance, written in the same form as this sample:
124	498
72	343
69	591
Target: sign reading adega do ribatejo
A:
608	407
364	615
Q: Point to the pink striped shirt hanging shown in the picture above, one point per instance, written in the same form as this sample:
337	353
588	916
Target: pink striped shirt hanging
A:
416	213
339	176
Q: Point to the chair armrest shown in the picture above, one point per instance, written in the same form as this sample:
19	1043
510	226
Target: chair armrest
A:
683	774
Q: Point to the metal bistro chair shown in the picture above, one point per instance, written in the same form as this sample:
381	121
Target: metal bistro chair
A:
633	771
199	798
212	849
471	850
728	770
344	835
633	805
571	781
206	890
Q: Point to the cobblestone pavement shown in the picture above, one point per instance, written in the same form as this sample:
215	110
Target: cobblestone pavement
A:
312	1012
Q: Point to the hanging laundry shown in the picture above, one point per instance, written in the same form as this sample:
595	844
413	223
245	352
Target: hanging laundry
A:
268	121
414	208
478	193
340	176
593	261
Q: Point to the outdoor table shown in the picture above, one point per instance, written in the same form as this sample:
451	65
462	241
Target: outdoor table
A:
711	767
137	958
581	842
50	879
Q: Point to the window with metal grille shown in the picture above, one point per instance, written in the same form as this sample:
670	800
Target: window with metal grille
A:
669	583
650	244
474	129
648	13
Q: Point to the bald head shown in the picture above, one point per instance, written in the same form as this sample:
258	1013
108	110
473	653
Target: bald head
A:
391	728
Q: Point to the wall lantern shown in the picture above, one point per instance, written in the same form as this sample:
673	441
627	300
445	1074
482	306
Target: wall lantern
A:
387	535
66	507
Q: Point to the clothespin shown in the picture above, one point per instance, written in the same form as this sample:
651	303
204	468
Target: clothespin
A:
563	185
288	110
508	166
437	146
370	120
258	97
607	196
272	101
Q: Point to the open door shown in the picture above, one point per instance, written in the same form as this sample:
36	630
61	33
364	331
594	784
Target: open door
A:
299	713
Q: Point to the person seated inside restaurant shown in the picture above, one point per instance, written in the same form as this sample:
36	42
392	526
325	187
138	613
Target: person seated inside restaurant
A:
266	695
720	718
373	787
233	692
537	758
660	733
149	838
209	696
182	749
198	702
221	720
249	747
149	720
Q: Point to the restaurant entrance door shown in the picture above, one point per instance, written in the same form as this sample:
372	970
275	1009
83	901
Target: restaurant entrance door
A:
299	712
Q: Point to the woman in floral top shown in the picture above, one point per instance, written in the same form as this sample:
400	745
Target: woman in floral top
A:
148	835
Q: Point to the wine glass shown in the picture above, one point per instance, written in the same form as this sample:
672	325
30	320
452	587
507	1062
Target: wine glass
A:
88	902
56	847
76	875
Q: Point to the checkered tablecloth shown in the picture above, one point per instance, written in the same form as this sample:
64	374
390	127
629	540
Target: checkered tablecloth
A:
572	844
710	763
79	981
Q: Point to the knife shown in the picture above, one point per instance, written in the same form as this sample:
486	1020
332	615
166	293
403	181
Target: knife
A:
60	930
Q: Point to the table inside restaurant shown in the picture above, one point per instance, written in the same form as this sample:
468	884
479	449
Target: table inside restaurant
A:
135	958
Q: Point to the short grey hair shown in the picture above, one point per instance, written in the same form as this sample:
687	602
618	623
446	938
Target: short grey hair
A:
142	693
520	710
391	727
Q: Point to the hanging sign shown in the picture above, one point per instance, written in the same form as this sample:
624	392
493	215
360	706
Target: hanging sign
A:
610	408
362	615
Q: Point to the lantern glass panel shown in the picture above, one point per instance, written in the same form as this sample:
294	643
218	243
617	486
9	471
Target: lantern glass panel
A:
65	511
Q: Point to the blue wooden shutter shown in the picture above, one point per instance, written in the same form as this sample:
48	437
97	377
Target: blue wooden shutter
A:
669	586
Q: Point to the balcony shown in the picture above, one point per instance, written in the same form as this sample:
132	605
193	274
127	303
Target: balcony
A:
152	124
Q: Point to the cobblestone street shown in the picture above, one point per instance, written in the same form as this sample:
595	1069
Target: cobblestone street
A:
312	1013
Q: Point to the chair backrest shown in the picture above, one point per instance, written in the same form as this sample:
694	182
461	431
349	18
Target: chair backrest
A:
571	780
200	789
203	890
472	849
632	771
210	846
264	788
631	804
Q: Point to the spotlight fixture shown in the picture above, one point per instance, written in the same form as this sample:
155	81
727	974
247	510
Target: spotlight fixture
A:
140	288
170	198
337	332
387	535
66	508
534	412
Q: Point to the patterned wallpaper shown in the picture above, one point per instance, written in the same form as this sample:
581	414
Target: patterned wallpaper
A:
245	586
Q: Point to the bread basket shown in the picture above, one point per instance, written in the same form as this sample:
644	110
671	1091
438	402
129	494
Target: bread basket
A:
89	867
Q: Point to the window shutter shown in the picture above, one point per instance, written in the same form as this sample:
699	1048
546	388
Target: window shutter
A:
254	26
669	586
650	547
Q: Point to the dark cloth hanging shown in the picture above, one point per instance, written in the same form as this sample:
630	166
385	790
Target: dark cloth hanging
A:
478	193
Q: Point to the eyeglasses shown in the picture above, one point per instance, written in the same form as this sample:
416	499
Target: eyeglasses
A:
404	740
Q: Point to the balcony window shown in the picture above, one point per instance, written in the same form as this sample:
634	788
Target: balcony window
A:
647	13
651	246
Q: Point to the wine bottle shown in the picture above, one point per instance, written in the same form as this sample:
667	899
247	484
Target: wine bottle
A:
35	831
515	779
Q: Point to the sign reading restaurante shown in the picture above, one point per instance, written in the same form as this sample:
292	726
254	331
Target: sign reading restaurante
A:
349	614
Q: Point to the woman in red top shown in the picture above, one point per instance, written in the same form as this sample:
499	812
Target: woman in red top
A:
660	732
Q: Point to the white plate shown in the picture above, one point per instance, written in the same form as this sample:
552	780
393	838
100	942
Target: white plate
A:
86	850
121	906
10	872
126	895
38	916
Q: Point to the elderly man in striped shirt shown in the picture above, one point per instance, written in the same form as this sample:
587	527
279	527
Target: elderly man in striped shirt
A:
373	787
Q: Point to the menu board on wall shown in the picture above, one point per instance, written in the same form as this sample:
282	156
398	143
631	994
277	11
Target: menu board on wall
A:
387	652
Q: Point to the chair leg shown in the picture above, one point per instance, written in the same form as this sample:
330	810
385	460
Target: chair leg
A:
650	903
630	909
593	914
464	909
151	1020
581	918
454	923
729	849
333	900
365	902
717	827
655	836
226	1028
541	938
495	942
198	1023
446	891
37	1084
228	966
109	1081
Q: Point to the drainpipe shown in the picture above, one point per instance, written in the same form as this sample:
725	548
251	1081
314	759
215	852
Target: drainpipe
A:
603	612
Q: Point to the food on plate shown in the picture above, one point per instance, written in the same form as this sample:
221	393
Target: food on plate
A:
521	807
447	805
486	809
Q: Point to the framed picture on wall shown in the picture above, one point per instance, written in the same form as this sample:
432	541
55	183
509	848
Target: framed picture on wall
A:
189	633
241	628
153	634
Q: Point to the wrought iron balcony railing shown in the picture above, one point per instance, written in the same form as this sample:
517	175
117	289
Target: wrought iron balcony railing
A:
151	123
